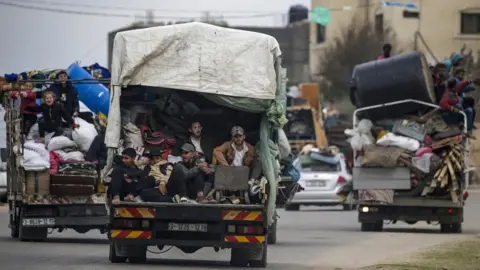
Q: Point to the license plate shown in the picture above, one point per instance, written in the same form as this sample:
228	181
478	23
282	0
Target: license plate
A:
181	227
316	183
38	222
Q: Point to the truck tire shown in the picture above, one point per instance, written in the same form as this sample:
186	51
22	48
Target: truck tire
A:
113	257
451	228
239	257
13	222
262	261
272	234
372	226
292	207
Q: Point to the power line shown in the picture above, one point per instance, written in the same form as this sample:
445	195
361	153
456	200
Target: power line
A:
71	4
69	11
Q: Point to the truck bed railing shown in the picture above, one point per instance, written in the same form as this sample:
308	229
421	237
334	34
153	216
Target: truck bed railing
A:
434	106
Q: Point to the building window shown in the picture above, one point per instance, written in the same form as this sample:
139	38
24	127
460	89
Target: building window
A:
320	33
411	14
470	23
379	24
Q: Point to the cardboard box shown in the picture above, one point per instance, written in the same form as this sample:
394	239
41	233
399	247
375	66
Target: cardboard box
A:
37	182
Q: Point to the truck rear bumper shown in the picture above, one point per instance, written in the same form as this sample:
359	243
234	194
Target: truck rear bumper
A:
375	213
185	243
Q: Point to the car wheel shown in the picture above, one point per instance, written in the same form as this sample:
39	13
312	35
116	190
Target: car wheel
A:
292	207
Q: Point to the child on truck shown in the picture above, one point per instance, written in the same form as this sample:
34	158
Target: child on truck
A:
53	112
451	104
29	101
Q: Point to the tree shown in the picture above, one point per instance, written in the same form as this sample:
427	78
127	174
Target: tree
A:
357	43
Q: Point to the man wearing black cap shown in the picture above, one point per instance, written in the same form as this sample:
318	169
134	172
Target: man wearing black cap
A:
236	152
124	178
188	176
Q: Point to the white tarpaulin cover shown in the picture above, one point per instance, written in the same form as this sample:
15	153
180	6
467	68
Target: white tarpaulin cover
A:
198	57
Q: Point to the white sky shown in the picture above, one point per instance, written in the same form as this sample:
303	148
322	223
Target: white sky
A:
34	39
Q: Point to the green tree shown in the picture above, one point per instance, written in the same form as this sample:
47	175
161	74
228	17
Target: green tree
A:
357	43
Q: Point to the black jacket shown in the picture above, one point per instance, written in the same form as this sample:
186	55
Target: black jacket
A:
120	187
150	182
67	95
53	115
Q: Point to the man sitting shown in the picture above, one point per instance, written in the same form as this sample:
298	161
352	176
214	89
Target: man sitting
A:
236	152
153	186
125	177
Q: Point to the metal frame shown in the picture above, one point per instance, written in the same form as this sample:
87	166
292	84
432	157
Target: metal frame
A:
466	142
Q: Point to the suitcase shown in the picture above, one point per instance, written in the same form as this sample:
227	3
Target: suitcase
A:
63	179
72	190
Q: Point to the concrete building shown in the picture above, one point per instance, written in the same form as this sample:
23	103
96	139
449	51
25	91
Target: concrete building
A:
293	40
445	25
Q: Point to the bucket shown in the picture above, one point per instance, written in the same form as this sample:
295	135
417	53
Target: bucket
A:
95	96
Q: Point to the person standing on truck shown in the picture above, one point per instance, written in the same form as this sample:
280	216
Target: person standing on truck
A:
387	51
454	62
451	105
125	177
466	102
53	113
29	101
236	152
66	93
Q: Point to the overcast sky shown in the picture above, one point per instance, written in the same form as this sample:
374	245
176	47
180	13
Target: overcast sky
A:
36	39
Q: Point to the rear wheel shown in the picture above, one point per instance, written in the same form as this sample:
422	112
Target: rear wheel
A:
451	228
259	260
14	228
239	257
113	257
292	207
272	234
36	234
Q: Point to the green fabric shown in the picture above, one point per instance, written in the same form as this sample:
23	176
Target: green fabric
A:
321	16
273	119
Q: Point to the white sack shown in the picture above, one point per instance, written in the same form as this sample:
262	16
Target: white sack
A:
132	135
61	153
391	139
60	142
39	148
84	135
283	144
33	161
75	155
33	133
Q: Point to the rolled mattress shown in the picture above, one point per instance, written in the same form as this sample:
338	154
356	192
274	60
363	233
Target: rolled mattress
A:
405	76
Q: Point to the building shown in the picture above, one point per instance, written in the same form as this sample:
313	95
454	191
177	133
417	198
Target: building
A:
293	40
445	25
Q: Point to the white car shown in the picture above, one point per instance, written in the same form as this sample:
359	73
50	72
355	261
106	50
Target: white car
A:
322	177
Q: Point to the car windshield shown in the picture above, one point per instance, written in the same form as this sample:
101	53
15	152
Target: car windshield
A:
309	164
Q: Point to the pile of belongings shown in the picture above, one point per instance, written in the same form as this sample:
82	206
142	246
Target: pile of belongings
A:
432	150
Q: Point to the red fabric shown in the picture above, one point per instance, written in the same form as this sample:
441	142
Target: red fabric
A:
157	138
381	57
55	160
450	97
29	101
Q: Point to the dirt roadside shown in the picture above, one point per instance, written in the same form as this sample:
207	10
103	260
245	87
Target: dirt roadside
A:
457	255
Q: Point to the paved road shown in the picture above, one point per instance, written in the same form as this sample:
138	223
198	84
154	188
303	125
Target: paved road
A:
314	238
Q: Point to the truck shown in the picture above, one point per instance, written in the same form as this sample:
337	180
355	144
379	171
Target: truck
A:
33	210
388	194
233	78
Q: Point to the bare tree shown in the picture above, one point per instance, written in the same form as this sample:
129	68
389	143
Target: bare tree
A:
359	42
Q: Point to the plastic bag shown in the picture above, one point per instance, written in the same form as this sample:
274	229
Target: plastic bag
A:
391	139
75	155
423	162
358	141
60	142
33	133
132	135
84	135
364	126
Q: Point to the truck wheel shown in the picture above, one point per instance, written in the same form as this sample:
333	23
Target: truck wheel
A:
239	257
372	226
14	228
272	234
113	257
137	259
456	228
292	207
260	262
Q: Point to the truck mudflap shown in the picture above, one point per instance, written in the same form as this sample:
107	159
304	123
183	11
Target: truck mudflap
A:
189	225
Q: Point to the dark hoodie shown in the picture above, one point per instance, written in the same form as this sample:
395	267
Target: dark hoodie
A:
53	114
67	94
